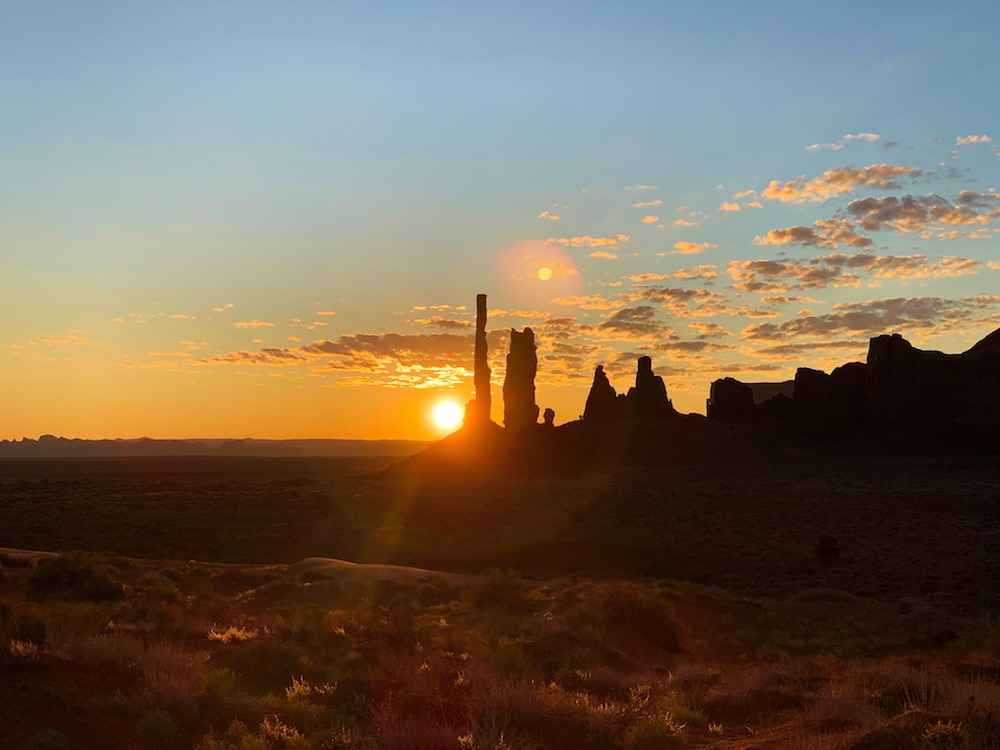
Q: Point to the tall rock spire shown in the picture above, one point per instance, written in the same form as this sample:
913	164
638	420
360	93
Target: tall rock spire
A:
519	407
478	410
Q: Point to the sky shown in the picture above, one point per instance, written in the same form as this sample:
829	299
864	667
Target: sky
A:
271	220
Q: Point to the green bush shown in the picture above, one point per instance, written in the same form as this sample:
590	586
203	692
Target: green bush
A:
157	729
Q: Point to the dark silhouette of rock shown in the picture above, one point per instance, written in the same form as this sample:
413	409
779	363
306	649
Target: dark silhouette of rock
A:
827	549
602	401
478	410
909	386
519	408
649	396
835	402
549	418
730	400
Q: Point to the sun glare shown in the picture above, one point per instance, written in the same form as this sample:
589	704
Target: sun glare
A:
447	414
545	273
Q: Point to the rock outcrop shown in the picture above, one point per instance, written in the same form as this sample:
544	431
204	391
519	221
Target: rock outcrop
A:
908	386
478	410
602	401
647	398
730	401
519	407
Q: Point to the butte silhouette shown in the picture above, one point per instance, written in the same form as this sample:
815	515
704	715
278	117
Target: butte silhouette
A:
901	401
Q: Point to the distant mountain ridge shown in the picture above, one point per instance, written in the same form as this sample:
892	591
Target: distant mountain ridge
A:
50	446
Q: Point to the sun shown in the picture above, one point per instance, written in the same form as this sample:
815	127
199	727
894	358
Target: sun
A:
447	414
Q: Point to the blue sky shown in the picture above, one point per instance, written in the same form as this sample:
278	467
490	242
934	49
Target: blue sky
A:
190	185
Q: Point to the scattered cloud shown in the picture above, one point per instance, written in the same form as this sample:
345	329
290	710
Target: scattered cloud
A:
701	272
690	248
965	140
650	219
647	204
870	137
436	321
587	241
252	324
918	214
326	312
826	146
837	182
634	323
602	254
591	302
549	215
710	330
828	234
642	187
730	207
684	223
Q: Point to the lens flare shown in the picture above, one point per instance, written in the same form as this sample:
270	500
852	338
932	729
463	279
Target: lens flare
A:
535	272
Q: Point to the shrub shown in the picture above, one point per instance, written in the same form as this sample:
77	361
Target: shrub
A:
48	739
157	729
73	576
499	588
654	733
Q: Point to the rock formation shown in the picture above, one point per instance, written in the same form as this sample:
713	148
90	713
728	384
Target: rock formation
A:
602	401
478	410
647	398
907	386
730	401
519	408
549	418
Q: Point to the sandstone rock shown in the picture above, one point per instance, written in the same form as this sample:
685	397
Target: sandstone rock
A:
477	411
549	418
730	400
519	408
602	401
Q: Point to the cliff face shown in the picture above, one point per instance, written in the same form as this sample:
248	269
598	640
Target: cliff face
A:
899	386
907	386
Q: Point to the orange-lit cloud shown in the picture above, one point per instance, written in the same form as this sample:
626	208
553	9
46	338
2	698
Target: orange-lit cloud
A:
591	302
602	254
916	214
549	215
730	207
647	204
684	223
965	140
689	248
326	312
587	241
642	187
828	234
436	321
650	219
253	324
837	182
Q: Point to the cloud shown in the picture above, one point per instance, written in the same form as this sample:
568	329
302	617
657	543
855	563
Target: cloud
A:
602	254
650	219
592	302
436	321
253	324
850	349
647	204
838	145
701	272
587	241
875	317
965	140
837	182
685	350
917	214
828	234
651	277
683	302
838	269
828	146
549	215
326	312
870	137
683	223
634	323
689	248
710	330
729	207
642	187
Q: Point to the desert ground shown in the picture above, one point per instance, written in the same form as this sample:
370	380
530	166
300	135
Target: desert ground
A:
218	602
